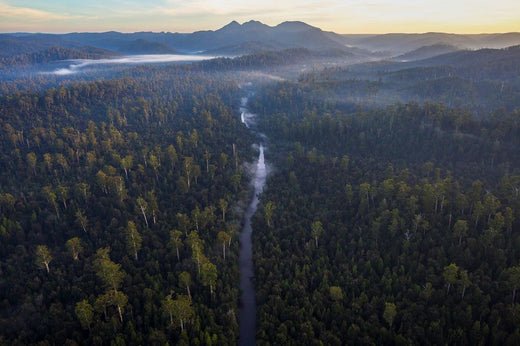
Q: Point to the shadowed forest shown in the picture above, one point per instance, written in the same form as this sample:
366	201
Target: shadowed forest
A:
390	214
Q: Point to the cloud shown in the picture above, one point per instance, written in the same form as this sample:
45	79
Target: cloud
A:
192	15
239	7
31	14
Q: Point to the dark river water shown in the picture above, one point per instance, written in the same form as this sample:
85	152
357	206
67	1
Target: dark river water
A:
247	314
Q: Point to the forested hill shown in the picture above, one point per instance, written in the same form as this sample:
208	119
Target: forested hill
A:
426	52
392	226
54	54
481	81
117	201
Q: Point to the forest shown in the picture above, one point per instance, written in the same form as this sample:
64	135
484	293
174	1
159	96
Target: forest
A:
390	226
118	212
390	215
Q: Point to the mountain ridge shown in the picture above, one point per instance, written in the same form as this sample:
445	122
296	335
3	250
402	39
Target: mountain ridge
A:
253	36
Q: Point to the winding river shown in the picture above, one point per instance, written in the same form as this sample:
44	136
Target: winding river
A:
247	314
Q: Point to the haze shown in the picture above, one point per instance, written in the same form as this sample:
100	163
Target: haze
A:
355	16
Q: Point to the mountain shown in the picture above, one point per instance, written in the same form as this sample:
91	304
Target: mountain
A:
427	52
254	36
233	39
141	46
396	44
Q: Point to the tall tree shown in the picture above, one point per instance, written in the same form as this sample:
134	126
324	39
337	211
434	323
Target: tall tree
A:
185	281
389	313
460	229
50	195
84	313
75	248
450	274
143	206
109	272
126	164
209	275
31	162
43	257
81	220
133	238
464	281
268	213
176	241
223	205
223	238
179	308
317	231
513	274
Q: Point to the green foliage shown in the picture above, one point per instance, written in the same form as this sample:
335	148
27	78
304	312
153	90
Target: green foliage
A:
75	248
336	293
417	178
84	313
390	313
43	257
109	273
133	239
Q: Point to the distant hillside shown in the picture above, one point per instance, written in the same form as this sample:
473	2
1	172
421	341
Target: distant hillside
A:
483	63
396	44
481	80
265	59
427	52
250	47
232	39
141	46
252	37
17	44
55	54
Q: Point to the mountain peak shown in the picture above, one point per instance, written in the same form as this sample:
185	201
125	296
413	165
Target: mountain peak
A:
295	26
232	25
254	23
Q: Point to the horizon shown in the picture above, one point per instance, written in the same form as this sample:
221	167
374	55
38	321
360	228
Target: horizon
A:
354	17
253	20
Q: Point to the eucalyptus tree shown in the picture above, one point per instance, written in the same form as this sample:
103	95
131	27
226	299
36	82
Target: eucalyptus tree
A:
316	231
268	213
85	313
223	237
176	241
179	309
75	247
43	257
450	274
133	239
185	281
460	229
513	278
143	207
109	273
223	205
209	275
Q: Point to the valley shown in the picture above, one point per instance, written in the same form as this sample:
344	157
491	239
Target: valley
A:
259	184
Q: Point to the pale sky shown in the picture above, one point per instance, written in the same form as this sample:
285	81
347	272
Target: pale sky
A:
342	16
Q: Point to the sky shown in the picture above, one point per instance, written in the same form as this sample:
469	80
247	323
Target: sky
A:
342	16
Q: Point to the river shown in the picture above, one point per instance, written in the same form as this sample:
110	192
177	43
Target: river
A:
247	314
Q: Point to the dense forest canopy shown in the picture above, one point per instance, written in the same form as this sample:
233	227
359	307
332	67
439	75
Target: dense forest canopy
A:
390	226
391	212
117	199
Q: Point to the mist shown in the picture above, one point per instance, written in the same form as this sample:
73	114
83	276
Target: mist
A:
79	65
